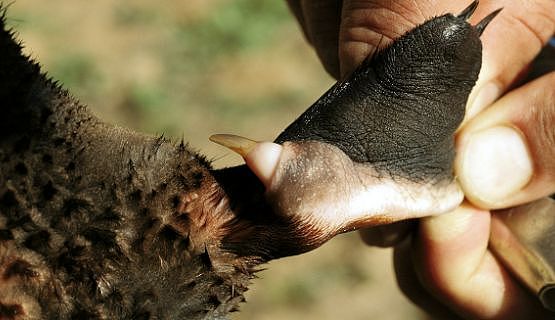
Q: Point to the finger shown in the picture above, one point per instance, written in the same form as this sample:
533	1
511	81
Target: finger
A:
367	25
453	262
523	28
505	155
387	235
320	22
408	282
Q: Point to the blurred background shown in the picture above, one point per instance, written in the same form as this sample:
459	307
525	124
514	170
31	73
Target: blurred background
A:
197	67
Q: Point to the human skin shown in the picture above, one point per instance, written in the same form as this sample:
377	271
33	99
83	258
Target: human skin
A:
445	266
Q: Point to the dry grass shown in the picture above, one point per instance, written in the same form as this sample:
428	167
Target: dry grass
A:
199	67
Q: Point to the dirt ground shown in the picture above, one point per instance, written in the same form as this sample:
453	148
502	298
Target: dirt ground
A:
193	68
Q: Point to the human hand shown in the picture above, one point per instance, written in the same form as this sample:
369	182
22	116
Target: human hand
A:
505	158
448	261
447	269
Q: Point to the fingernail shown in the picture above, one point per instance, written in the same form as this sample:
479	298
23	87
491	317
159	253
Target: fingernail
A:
486	95
495	164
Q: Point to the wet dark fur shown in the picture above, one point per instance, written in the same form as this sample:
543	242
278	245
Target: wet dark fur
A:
100	222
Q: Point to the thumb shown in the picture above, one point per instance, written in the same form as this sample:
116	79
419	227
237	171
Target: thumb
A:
505	155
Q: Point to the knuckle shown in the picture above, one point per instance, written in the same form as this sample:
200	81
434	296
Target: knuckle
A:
536	19
540	123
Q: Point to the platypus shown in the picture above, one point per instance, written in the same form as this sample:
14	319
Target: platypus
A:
100	222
